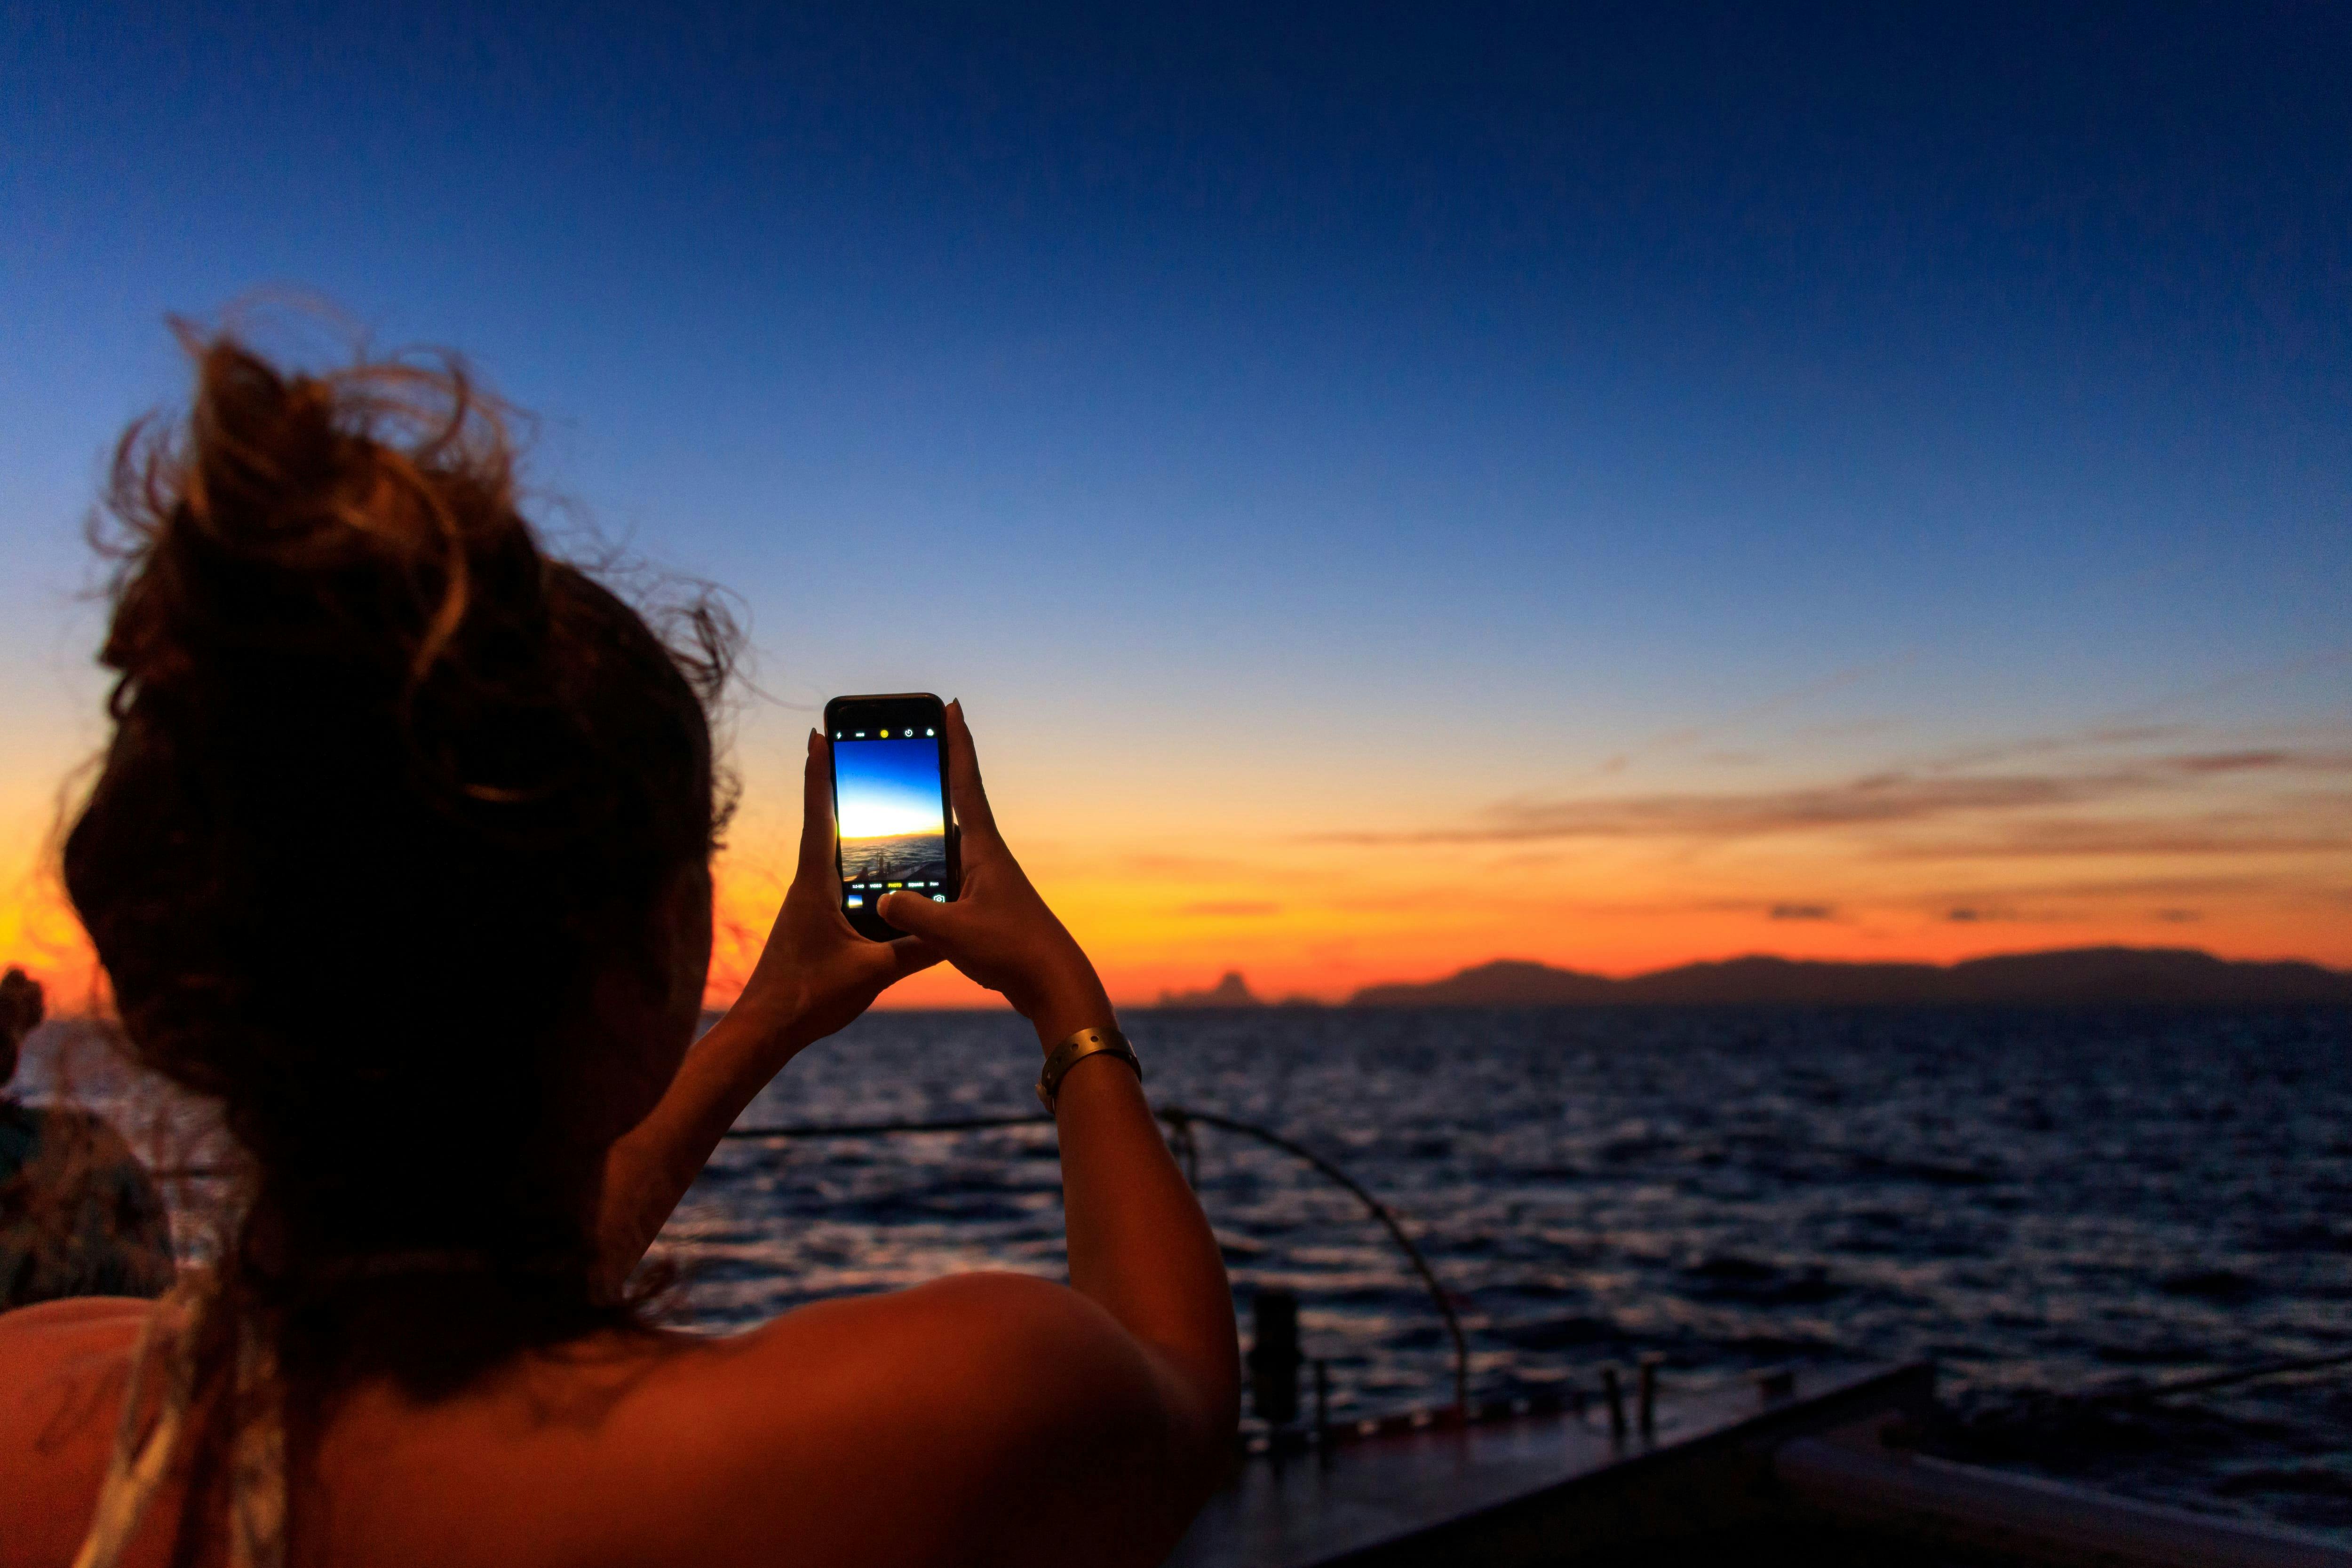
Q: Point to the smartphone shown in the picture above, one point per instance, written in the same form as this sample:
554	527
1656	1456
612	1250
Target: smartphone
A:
892	825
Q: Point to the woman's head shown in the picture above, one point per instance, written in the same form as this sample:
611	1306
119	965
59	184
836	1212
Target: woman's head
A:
400	848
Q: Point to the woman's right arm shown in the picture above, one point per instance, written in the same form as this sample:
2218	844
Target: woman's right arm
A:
1139	1246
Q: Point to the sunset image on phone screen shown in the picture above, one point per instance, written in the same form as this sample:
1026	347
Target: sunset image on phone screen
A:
892	831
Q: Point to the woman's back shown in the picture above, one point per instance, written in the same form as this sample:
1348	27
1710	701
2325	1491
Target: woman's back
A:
943	1424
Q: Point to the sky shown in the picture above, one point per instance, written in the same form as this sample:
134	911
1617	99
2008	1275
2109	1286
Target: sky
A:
885	788
1393	487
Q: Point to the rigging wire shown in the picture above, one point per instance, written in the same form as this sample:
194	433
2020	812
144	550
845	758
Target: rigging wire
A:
1178	1116
1181	1121
875	1129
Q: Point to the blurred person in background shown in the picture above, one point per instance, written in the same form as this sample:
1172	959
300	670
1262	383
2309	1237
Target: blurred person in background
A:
80	1215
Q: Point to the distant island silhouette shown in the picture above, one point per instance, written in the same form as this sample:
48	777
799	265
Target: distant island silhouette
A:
1231	991
2062	977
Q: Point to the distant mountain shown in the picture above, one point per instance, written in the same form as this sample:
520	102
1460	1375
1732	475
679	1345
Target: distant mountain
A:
2069	976
1231	991
1506	982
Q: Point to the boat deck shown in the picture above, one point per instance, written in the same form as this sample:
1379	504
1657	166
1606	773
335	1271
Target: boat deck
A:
1784	1473
1532	1489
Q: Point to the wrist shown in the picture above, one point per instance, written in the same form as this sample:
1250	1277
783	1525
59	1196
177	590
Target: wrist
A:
774	1025
1081	1003
1071	1055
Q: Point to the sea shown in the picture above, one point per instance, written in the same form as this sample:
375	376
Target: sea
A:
2060	1208
901	857
2067	1211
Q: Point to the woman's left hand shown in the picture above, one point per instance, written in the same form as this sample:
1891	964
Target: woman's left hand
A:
817	974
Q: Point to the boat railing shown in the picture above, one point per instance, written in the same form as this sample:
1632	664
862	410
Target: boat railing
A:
1181	1121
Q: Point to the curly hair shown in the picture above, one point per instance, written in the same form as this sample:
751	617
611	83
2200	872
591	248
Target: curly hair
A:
390	789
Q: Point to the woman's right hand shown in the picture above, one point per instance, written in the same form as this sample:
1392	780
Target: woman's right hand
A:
1153	1392
998	931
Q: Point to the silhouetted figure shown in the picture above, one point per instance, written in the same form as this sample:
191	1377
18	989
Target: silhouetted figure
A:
80	1215
400	859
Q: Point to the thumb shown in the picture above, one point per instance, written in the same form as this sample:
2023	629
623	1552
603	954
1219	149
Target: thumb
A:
918	916
907	956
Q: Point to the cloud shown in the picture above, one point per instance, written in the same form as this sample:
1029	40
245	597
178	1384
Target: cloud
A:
2135	733
1885	798
1969	914
2179	917
2261	677
2233	833
1902	798
2007	751
1845	731
1777	703
1803	912
2239	761
2133	888
1231	906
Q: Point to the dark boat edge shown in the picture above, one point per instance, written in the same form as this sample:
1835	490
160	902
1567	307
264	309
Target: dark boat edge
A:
1861	1483
1758	1480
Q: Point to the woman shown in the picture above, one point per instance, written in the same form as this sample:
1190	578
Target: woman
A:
400	854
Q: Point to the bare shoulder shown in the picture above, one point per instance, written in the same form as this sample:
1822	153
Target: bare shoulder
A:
63	1367
43	1316
46	1342
987	1416
976	1420
998	1354
973	1325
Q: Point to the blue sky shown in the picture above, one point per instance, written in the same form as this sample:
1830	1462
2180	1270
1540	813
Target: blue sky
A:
1249	403
886	787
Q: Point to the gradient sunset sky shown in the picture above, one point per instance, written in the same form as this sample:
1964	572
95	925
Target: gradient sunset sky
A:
1393	487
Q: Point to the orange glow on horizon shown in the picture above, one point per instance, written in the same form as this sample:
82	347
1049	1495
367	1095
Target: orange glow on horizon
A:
1171	881
1145	943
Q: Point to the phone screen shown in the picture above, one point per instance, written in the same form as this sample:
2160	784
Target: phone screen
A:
890	803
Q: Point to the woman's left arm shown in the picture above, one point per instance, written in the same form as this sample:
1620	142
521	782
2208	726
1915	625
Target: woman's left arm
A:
814	975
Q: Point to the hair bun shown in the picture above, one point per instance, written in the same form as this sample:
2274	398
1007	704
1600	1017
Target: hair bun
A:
347	516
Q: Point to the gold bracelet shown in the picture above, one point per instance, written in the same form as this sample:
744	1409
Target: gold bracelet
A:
1076	1048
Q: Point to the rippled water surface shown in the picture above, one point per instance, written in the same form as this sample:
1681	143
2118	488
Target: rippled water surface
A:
2045	1204
2042	1202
